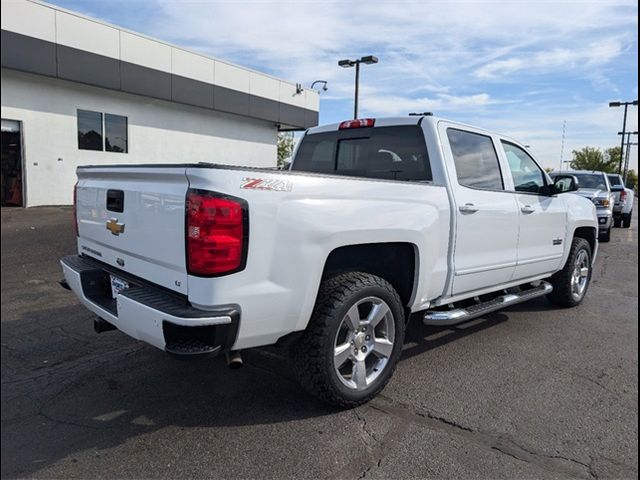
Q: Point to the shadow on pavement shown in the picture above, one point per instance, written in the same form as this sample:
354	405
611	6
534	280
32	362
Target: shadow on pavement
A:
66	389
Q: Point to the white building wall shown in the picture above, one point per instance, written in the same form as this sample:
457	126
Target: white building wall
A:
158	132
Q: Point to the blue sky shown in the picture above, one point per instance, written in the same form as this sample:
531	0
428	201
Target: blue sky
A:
519	67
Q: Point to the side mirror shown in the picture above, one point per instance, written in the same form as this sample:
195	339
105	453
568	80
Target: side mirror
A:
565	183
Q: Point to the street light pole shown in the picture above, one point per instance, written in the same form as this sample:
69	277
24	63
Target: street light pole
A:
564	127
357	90
624	127
626	156
626	168
368	60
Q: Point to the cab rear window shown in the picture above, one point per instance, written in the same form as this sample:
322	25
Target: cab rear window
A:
392	153
615	180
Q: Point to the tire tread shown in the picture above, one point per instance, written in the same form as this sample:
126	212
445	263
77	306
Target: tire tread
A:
309	353
561	281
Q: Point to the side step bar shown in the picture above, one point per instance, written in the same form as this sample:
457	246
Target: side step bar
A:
459	315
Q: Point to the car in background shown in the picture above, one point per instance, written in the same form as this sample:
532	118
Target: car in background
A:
623	201
596	187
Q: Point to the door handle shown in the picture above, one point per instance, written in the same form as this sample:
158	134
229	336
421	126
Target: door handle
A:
468	208
527	209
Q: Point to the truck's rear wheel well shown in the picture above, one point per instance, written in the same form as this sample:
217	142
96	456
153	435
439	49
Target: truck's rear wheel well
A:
395	262
590	234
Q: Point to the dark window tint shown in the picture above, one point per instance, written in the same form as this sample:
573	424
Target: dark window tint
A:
316	153
594	181
89	130
527	175
394	153
115	130
615	180
476	160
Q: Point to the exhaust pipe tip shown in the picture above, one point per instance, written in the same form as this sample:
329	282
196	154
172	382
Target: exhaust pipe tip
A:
234	360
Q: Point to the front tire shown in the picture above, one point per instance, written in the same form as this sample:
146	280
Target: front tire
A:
617	221
570	284
605	237
353	341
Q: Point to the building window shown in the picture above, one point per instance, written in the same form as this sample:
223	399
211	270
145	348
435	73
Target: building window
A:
89	130
115	130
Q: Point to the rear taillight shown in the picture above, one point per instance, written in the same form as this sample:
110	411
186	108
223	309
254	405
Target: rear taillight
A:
357	123
623	195
75	209
217	229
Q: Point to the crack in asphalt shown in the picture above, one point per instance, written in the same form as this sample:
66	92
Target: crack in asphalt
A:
62	369
526	455
378	452
496	442
444	420
371	467
407	415
365	430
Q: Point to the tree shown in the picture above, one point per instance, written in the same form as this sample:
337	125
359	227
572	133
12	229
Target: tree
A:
285	147
613	154
590	158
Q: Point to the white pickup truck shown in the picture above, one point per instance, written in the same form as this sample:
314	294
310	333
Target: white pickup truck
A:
377	219
623	201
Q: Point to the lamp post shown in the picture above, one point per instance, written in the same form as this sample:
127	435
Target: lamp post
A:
368	60
626	168
564	128
624	126
626	156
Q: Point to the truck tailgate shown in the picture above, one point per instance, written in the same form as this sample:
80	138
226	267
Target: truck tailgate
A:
133	218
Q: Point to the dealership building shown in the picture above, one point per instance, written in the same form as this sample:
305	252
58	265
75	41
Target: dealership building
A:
76	91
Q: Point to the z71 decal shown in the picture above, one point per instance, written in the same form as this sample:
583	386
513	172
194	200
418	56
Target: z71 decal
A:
266	184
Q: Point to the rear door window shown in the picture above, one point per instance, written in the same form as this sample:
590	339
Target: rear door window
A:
392	153
476	160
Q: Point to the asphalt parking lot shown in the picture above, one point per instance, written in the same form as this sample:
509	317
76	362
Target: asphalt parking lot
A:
531	392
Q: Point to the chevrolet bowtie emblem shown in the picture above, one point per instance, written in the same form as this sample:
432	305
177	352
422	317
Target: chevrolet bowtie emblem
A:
114	227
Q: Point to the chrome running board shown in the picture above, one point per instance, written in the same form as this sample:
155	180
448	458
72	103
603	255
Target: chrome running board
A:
459	315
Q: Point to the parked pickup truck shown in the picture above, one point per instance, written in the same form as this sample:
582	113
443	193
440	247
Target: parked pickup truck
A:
623	201
596	187
377	219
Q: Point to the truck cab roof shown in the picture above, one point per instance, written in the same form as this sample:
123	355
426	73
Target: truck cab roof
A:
417	119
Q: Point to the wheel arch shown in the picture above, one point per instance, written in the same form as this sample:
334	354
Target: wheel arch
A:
396	262
590	234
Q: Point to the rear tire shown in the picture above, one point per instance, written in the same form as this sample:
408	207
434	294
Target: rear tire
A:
353	341
605	237
617	222
570	284
626	220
